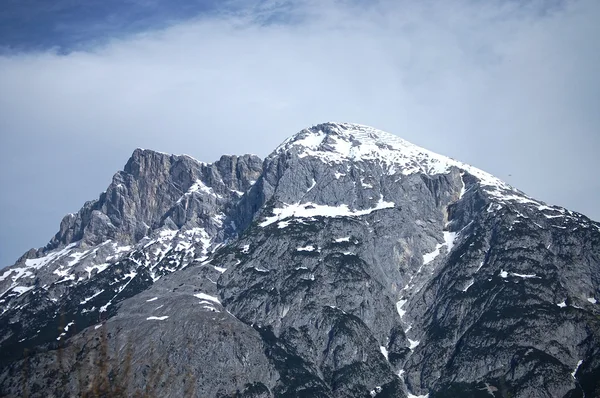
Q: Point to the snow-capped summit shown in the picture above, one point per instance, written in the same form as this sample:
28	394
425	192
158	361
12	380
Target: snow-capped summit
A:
349	143
340	142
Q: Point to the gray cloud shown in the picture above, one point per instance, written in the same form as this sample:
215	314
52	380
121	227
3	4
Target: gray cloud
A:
509	87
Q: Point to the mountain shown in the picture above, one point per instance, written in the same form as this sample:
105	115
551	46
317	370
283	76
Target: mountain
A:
348	263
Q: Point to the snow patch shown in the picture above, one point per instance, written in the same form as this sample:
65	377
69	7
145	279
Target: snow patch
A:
399	306
61	272
576	368
505	274
41	261
384	351
340	240
463	186
204	296
77	257
591	300
22	289
562	305
429	257
66	279
479	267
309	248
19	272
469	284
525	276
199	186
283	224
449	238
311	141
157	318
99	267
308	210
85	300
152	299
413	344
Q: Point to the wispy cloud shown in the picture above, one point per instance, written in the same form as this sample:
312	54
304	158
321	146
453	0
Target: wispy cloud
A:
511	87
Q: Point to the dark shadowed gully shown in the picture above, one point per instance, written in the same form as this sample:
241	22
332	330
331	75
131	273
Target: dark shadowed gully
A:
348	263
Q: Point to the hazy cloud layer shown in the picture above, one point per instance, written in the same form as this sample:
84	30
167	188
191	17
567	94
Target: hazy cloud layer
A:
510	87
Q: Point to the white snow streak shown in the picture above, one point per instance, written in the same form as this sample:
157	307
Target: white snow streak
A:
22	289
399	306
204	296
340	240
307	210
469	284
525	276
157	318
85	300
576	368
309	248
413	344
429	257
384	351
449	238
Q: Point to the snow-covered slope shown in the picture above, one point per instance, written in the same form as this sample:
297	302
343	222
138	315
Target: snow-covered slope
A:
343	142
352	145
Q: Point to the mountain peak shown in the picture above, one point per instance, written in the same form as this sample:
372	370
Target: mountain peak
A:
334	265
330	132
142	159
340	142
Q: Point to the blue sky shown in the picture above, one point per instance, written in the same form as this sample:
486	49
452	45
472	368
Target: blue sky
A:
69	25
508	86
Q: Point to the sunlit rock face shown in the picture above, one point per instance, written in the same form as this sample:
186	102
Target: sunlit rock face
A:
348	263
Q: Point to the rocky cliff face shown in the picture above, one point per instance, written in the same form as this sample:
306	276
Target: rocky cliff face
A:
348	263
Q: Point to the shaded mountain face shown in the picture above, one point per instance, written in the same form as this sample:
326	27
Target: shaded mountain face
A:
348	263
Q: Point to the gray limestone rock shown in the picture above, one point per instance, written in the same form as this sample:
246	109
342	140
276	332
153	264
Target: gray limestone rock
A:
348	263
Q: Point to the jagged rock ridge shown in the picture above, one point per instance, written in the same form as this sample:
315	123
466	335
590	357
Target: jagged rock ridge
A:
348	263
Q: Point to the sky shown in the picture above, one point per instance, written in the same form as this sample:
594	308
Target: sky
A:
511	87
